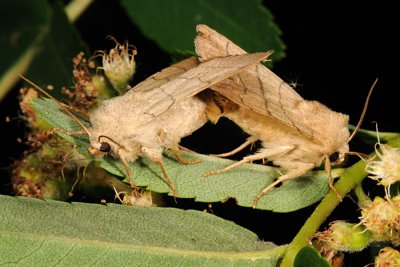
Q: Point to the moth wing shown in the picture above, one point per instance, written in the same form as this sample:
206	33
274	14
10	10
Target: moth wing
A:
165	75
256	88
194	80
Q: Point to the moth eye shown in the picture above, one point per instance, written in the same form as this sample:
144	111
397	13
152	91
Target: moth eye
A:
105	147
334	156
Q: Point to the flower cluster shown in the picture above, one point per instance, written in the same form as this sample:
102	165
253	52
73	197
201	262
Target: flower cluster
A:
385	169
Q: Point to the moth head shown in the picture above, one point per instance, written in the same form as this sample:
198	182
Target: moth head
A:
101	145
337	157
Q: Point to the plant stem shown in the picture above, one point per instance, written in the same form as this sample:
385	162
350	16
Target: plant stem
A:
362	199
352	177
76	8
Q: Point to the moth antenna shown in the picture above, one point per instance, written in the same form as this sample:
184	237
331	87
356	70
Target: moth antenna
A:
112	140
358	154
55	100
363	112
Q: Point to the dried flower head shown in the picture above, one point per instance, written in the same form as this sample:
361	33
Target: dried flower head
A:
387	257
382	219
119	65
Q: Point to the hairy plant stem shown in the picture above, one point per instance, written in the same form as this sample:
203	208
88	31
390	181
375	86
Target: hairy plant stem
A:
352	177
76	8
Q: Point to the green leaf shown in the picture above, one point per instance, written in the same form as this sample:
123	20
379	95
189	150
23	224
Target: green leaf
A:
242	183
46	233
309	257
54	64
23	25
171	23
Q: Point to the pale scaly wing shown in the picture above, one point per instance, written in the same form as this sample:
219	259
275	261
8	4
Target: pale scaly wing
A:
189	83
260	90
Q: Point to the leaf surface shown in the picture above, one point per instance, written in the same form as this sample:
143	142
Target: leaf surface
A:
171	23
54	63
308	256
35	232
23	25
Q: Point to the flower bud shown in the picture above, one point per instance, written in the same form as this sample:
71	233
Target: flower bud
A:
119	66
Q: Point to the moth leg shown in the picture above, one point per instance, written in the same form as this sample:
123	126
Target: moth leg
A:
290	175
248	142
330	181
175	149
182	160
166	177
260	155
128	172
156	157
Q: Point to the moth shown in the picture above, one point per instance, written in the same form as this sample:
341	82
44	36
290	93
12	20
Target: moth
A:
296	134
155	114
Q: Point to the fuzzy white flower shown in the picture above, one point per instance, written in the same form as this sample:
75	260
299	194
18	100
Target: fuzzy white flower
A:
385	166
135	198
119	65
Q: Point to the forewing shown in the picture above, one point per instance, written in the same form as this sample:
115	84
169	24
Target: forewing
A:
256	88
160	98
166	75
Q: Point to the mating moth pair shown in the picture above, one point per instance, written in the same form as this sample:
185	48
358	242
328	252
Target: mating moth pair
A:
296	135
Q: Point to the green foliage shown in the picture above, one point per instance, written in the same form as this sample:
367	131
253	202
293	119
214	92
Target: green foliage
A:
53	64
20	36
40	42
35	232
38	39
309	257
171	23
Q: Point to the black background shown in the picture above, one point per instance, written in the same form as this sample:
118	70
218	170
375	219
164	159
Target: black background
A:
335	50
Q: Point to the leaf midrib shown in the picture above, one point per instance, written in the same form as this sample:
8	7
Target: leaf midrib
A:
253	255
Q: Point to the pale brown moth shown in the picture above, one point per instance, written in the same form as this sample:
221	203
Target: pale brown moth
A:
296	134
155	114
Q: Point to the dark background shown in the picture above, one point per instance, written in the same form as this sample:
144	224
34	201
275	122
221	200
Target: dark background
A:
335	50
